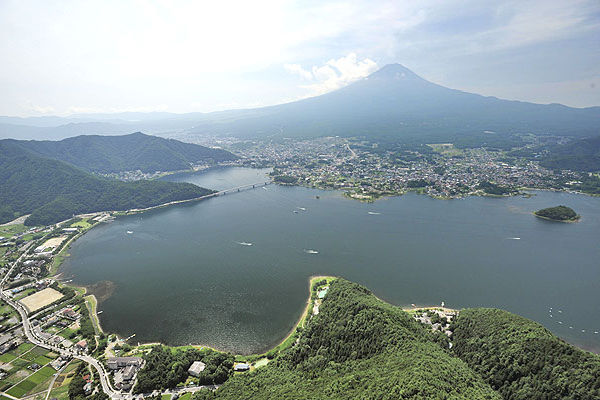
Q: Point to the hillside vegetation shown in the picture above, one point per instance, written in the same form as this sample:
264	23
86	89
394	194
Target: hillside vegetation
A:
523	360
579	155
112	154
53	191
558	213
359	347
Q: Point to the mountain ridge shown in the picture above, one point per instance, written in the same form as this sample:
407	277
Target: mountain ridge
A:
393	104
56	190
135	151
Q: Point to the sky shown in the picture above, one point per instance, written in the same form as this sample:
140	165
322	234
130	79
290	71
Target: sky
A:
68	57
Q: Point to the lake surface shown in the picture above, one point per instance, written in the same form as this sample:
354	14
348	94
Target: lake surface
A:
187	274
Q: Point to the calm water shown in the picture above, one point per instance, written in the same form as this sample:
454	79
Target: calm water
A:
184	276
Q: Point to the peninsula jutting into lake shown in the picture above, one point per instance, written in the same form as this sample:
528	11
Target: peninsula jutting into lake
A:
288	200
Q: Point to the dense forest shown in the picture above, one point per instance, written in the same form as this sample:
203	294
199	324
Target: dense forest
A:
558	213
359	347
112	154
493	189
53	191
166	368
578	155
523	360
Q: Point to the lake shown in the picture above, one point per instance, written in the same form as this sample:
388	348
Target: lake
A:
188	274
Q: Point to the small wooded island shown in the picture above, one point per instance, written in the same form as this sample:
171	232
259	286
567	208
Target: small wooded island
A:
558	213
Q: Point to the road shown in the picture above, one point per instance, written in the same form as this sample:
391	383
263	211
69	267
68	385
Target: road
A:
33	338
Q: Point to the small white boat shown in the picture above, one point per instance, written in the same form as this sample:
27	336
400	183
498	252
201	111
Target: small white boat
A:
560	322
309	251
373	213
301	208
244	243
295	211
129	232
514	238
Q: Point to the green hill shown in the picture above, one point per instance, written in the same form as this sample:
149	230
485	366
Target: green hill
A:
111	154
579	155
523	360
53	191
558	213
359	347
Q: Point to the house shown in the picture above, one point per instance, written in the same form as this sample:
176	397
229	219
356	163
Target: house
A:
241	367
82	345
6	347
87	388
70	314
196	368
70	230
115	363
128	373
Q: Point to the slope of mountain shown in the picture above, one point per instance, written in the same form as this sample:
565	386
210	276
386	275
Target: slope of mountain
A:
392	104
523	360
108	154
52	191
579	155
359	347
396	104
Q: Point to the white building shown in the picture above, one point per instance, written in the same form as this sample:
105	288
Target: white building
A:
196	368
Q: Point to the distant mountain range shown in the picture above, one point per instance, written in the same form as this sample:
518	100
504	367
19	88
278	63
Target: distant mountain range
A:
392	104
52	180
109	154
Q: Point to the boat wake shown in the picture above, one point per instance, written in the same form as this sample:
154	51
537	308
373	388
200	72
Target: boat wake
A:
311	251
515	238
244	243
373	213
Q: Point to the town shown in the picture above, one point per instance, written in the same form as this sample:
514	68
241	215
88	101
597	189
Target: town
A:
365	171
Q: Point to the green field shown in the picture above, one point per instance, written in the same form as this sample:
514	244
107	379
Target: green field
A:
23	348
60	390
186	396
11	230
81	224
22	380
6	358
35	381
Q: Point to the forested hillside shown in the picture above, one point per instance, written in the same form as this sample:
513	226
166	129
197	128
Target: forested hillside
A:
579	155
111	154
53	191
523	360
359	347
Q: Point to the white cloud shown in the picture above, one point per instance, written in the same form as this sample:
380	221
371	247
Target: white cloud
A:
43	109
298	70
334	74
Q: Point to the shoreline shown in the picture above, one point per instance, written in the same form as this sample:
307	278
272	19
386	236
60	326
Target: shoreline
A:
56	273
299	323
567	221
